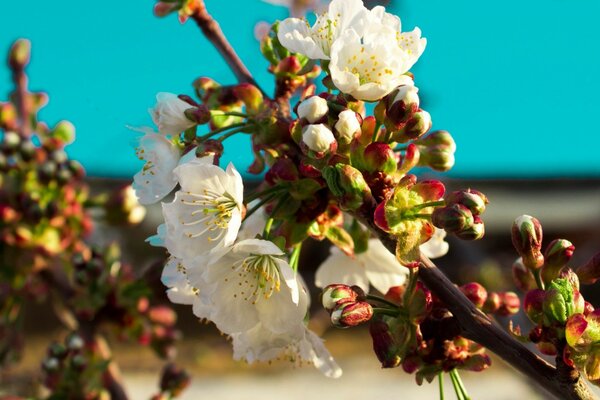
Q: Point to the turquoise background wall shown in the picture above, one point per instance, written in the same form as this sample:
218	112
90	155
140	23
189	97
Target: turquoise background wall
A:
516	82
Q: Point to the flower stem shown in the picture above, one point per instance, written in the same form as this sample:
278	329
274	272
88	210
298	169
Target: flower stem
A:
441	383
412	283
429	204
385	311
231	114
260	204
461	387
268	226
217	131
233	132
295	256
381	300
457	390
538	278
256	195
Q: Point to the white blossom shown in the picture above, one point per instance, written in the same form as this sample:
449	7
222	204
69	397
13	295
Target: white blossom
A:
168	114
246	284
376	266
315	42
313	109
317	138
368	68
436	246
253	224
174	277
206	213
347	125
410	43
156	179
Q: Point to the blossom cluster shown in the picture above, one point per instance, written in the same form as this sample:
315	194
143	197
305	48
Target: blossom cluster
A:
565	324
331	172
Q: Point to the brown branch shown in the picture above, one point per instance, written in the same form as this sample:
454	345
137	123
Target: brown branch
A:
211	29
475	325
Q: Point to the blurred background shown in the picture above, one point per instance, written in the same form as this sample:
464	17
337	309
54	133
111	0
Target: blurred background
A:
516	84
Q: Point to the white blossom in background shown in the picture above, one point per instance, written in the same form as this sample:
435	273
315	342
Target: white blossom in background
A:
317	138
156	179
249	283
313	109
254	224
168	114
411	43
368	69
316	42
206	213
376	266
174	277
436	246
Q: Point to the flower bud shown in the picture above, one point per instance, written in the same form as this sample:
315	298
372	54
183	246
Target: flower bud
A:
51	364
438	158
557	255
74	342
162	9
385	344
509	304
404	103
533	305
418	125
522	276
174	380
348	185
589	273
561	301
313	109
379	157
420	303
169	114
474	200
19	54
200	115
473	232
79	362
10	142
527	239
317	141
454	218
336	294
347	126
58	351
492	303
209	148
123	207
351	314
475	292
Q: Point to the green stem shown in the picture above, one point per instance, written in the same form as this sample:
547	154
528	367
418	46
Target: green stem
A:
256	195
375	133
295	256
217	131
385	311
381	300
538	278
460	384
231	113
441	382
260	204
233	132
457	390
429	204
267	229
410	288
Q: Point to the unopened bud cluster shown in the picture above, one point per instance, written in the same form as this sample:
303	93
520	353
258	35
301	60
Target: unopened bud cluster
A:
346	305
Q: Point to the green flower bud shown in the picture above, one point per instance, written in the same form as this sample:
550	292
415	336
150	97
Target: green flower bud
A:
557	255
348	185
19	54
561	301
379	157
534	305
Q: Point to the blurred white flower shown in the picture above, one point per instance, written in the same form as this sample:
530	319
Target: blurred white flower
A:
376	266
315	42
168	114
174	277
156	179
243	286
254	224
436	246
207	211
368	68
313	109
317	138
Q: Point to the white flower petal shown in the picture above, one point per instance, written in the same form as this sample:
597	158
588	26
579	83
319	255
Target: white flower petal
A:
295	35
436	246
340	268
382	268
168	114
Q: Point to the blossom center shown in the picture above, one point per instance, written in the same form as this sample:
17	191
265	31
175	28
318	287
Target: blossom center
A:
213	214
366	67
258	275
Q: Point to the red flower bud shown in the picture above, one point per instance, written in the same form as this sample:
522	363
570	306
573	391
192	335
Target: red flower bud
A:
200	114
522	276
509	304
334	295
474	200
492	303
590	271
351	314
475	292
557	255
385	344
380	157
533	305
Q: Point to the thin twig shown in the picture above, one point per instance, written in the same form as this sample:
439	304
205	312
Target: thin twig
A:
211	29
477	326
